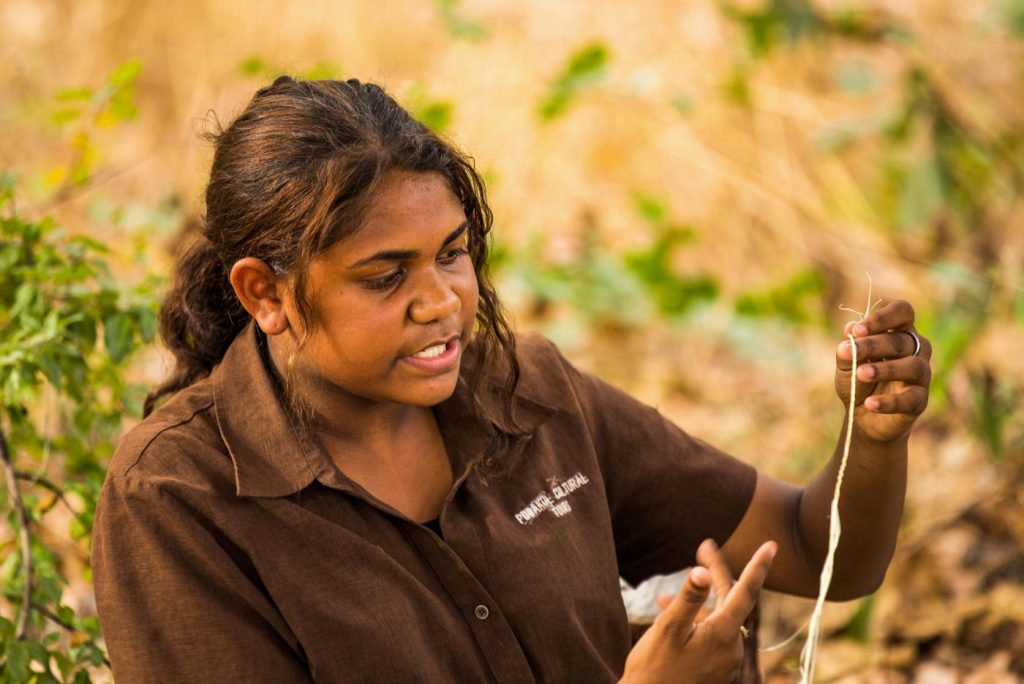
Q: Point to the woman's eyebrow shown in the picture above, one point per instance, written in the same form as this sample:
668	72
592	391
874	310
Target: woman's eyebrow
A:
408	254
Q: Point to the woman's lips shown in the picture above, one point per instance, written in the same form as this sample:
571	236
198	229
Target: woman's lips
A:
446	360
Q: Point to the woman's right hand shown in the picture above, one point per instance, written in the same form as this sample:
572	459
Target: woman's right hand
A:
678	649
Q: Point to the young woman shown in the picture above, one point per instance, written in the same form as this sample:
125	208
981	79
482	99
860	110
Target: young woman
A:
358	473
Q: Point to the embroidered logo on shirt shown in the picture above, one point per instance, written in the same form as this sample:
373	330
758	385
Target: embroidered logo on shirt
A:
554	500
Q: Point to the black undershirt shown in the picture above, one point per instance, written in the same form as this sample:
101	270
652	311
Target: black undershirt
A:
434	526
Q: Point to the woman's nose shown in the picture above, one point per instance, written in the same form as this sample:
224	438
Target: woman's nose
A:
435	300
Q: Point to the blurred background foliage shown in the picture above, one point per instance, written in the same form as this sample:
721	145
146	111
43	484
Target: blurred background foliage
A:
685	193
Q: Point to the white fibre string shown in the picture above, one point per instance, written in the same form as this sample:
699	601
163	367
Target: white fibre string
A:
809	653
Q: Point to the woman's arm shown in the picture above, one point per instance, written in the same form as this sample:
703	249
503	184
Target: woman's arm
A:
174	603
892	391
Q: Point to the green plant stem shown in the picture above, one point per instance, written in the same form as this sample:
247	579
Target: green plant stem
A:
23	534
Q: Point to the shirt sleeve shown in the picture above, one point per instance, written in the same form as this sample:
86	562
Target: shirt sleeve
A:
667	491
174	600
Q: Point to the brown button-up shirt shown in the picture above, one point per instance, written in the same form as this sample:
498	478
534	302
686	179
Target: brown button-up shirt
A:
229	549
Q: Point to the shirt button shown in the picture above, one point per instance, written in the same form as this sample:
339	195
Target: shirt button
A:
481	612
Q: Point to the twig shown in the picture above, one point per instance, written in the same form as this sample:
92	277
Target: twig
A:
53	617
26	540
46	484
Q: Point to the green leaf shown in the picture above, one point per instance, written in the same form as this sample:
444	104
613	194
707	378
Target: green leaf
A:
584	68
125	74
80	330
118	334
51	368
148	323
122	108
652	208
794	301
89	244
737	88
1014	12
65	613
321	71
25	300
75	95
253	66
65	115
437	115
38	653
78	530
6	629
64	664
17	662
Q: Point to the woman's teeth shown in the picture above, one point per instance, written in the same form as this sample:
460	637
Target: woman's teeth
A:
431	352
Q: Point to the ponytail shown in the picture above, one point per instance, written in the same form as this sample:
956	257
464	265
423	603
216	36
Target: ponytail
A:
199	318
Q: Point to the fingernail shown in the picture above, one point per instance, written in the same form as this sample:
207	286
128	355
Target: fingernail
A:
860	330
772	550
847	328
871	404
700	577
844	348
867	372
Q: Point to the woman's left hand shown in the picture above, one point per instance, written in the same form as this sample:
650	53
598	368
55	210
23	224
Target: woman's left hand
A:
893	372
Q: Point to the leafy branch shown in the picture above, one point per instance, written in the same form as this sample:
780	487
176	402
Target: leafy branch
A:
23	536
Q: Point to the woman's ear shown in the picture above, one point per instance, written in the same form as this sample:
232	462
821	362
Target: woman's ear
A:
261	292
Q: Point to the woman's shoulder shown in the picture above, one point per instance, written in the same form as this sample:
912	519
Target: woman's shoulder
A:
178	442
546	376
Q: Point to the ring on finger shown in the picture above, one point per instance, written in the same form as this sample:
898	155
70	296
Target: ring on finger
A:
917	342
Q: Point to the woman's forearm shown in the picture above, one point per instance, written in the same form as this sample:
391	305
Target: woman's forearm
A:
870	509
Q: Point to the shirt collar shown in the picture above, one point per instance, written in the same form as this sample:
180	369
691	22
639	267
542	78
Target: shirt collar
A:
272	458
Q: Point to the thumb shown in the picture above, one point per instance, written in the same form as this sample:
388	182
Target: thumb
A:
683	610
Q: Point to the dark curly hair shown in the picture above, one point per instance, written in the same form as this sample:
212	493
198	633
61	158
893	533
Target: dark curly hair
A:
291	177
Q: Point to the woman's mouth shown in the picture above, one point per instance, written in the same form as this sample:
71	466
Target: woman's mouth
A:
436	358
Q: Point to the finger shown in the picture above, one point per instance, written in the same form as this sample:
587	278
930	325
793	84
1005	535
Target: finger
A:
710	557
888	345
896	315
912	370
745	592
665	600
678	618
912	401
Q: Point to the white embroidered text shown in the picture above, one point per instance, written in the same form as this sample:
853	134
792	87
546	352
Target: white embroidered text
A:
553	500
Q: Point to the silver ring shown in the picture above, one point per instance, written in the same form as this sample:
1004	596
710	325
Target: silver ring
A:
917	342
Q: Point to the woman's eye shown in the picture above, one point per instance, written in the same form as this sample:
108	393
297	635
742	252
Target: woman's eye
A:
385	282
451	255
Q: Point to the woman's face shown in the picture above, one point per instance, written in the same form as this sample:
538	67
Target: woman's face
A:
396	302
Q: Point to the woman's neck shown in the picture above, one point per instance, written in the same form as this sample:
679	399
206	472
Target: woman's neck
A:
340	416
